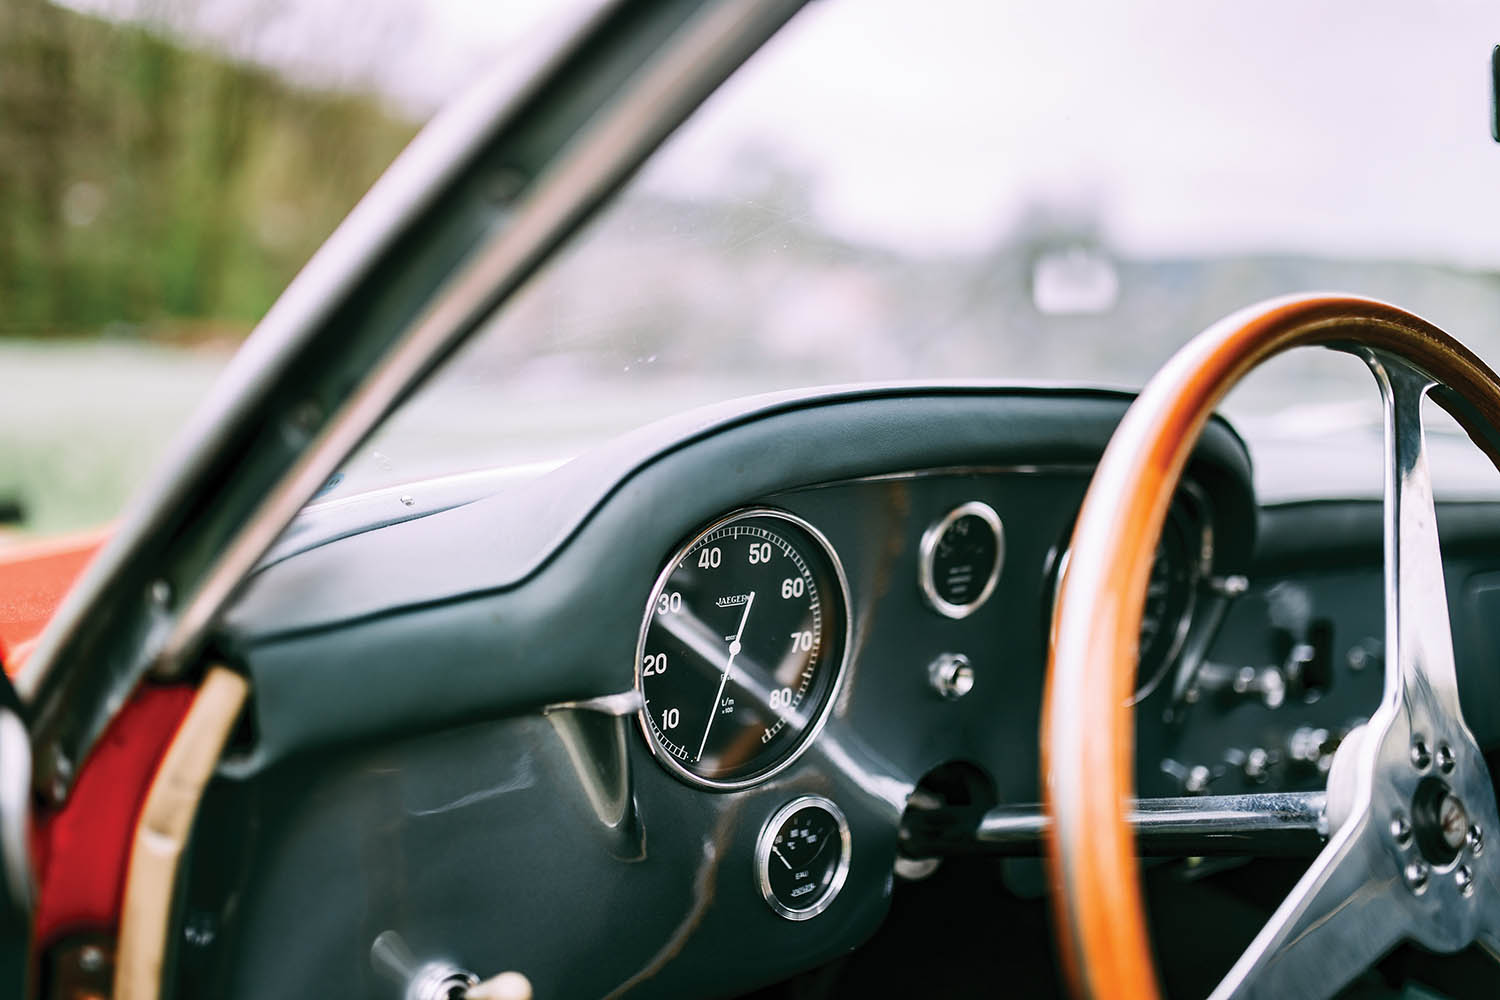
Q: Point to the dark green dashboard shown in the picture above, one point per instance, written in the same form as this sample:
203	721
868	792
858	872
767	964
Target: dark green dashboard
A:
443	740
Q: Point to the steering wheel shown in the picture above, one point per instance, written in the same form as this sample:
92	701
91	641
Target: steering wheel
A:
1410	805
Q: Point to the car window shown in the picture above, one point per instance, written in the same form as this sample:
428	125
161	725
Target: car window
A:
165	169
1015	191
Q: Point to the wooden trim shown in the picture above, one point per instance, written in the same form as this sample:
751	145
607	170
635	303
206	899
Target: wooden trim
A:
1087	727
162	833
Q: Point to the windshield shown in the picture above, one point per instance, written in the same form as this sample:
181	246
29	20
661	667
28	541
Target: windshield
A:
165	169
1016	191
1062	192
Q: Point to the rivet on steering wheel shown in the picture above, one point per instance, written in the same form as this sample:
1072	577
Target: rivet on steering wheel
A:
1401	830
1416	877
1464	879
1421	757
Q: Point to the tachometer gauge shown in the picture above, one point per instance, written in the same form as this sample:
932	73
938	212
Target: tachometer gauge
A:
742	648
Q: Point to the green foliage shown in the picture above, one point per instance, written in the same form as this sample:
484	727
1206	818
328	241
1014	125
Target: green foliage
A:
145	187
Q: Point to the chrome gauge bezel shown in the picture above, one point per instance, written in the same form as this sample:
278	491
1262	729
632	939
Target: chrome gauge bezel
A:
927	553
806	738
1193	516
763	857
1198	562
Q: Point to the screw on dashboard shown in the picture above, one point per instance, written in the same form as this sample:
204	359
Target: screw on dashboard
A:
1421	757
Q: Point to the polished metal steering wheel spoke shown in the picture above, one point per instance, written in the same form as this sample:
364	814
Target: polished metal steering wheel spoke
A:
1409	798
1336	923
1419	671
1429	770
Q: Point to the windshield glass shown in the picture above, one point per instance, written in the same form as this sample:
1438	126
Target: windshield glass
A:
1015	191
165	169
1062	191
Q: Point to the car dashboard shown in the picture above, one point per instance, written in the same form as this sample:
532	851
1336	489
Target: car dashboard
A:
671	705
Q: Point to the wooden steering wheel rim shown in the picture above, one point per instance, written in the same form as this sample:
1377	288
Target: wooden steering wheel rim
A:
1087	731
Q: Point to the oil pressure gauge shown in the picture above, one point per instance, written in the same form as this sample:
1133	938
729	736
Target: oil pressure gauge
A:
802	857
960	557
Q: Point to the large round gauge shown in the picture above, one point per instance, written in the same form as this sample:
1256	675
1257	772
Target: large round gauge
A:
742	648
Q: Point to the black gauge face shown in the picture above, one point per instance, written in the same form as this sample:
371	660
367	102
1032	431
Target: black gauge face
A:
741	649
803	857
960	559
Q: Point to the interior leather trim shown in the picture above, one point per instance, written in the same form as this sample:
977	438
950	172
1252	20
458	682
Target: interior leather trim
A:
162	833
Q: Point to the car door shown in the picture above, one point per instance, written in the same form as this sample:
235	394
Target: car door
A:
472	207
15	866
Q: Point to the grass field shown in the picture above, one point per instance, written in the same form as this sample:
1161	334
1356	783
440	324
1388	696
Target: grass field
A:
83	423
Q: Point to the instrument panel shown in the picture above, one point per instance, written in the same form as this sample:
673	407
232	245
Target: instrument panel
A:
746	633
754	628
660	750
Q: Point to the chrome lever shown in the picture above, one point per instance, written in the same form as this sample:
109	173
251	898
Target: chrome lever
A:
1259	824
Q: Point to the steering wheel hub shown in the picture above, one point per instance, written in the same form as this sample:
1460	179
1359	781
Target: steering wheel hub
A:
1440	821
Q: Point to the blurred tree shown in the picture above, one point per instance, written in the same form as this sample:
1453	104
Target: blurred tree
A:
148	187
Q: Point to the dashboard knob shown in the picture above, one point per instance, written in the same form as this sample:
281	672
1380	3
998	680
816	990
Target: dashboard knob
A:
1257	765
951	675
1194	779
1365	654
1254	764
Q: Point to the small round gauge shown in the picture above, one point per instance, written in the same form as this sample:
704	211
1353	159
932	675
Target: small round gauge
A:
960	559
742	648
802	857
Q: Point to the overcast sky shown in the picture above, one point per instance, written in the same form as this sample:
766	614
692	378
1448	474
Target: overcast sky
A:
1356	127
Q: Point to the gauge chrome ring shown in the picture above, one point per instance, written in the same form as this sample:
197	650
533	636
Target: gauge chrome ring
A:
928	552
815	727
1189	513
763	857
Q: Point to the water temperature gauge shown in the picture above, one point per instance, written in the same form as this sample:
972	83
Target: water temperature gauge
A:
802	857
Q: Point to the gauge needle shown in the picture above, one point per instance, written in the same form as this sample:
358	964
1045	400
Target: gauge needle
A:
784	861
734	650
